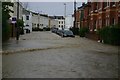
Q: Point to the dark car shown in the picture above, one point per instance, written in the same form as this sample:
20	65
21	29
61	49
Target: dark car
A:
54	30
67	33
59	32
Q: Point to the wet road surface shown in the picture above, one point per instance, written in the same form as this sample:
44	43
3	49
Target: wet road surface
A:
47	55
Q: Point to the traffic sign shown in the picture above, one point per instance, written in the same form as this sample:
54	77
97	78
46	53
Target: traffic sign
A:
14	20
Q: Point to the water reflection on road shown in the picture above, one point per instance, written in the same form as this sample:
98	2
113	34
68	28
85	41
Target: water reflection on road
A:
47	55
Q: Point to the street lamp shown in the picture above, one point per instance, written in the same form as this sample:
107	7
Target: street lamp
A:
74	13
17	29
65	10
65	14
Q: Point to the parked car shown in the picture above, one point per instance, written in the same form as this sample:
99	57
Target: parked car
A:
67	33
54	30
59	32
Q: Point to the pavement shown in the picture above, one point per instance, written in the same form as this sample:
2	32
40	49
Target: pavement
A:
47	55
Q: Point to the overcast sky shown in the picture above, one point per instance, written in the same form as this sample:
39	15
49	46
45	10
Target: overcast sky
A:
52	8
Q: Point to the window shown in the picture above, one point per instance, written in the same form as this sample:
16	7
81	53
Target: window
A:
62	22
119	20
37	25
100	5
59	25
108	3
99	21
106	22
113	21
94	26
112	4
27	25
96	6
59	22
62	26
27	17
104	4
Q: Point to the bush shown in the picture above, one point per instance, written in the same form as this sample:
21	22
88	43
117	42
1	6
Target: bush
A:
75	30
37	29
110	35
83	31
46	29
21	31
21	25
5	32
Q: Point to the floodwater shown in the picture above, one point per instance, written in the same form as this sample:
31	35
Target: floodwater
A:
47	55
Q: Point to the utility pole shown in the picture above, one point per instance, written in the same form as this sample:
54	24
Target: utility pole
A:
65	14
17	29
74	13
38	21
65	10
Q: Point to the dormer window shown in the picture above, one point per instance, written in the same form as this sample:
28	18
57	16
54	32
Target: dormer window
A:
96	6
108	4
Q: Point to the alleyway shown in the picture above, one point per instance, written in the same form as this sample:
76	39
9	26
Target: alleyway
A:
47	55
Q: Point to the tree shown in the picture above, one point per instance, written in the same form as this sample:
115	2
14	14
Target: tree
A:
5	17
21	25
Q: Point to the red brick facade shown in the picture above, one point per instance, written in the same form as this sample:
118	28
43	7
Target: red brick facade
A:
96	15
100	14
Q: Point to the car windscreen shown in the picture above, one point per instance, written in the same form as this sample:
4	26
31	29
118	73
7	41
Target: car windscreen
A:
68	32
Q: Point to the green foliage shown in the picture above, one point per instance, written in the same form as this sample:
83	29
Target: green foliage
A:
20	22
5	31
37	29
5	18
6	10
110	35
75	30
83	31
46	29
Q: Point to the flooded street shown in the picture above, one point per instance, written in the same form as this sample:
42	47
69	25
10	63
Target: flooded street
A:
47	55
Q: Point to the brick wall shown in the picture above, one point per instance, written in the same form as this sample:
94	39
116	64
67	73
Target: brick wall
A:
100	14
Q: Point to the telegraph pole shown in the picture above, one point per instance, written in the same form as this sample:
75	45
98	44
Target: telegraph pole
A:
65	10
17	29
65	14
74	13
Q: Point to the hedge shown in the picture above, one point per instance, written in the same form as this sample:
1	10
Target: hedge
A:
75	30
110	35
83	31
39	29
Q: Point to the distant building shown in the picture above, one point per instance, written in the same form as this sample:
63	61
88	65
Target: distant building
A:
35	20
69	21
53	22
14	8
40	20
43	21
61	21
27	18
13	17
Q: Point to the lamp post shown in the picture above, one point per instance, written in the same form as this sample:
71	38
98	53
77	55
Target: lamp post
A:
17	29
74	13
65	15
